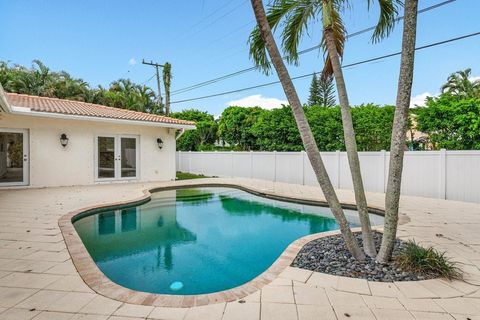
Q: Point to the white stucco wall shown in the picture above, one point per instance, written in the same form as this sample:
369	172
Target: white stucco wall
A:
53	165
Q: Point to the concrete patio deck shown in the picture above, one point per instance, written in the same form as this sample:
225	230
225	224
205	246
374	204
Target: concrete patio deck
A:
39	281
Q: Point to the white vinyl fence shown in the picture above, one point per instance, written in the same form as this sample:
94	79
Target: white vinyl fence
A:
453	175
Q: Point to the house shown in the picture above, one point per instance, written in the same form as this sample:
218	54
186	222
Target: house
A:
416	139
46	142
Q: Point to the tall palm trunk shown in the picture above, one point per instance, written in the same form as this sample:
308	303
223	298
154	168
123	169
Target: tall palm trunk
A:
305	131
350	143
400	122
167	76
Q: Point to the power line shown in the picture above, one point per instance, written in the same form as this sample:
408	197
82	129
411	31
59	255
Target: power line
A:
435	6
210	14
233	31
225	14
148	80
219	18
208	82
239	72
344	66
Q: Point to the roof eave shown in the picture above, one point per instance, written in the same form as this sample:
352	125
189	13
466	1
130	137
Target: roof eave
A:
28	112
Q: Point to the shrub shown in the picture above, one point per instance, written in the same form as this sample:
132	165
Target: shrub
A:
187	176
427	261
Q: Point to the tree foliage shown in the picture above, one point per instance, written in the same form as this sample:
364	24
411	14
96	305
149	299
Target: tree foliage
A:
314	93
275	130
297	16
322	92
205	134
326	92
451	122
235	126
461	84
373	126
327	128
39	80
125	94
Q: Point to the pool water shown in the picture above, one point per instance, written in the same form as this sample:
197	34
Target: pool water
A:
199	240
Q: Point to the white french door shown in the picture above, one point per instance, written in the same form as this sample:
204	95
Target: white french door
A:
14	157
116	157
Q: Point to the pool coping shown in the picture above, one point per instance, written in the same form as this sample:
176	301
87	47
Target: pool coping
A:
101	284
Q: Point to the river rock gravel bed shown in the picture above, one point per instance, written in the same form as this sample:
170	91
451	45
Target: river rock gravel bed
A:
329	255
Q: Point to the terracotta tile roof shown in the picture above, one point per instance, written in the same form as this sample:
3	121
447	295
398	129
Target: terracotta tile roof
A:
70	107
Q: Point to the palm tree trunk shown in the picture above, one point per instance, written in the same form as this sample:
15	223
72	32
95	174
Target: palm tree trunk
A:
167	77
399	130
351	145
305	131
167	101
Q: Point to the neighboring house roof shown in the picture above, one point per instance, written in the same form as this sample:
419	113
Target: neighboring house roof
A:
36	104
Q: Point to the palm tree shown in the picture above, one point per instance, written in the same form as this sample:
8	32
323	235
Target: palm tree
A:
125	94
125	86
43	79
146	97
21	81
37	81
66	87
460	84
399	130
297	16
7	74
265	33
167	77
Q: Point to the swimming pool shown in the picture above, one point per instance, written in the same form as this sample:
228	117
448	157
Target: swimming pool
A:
198	240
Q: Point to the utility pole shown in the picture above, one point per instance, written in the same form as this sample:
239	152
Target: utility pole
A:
156	65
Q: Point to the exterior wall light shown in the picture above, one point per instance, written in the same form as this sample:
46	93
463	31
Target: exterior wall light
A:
160	143
63	140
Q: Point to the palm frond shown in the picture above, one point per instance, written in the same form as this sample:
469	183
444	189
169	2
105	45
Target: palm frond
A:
296	25
258	52
387	18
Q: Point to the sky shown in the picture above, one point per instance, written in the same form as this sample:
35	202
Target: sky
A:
101	41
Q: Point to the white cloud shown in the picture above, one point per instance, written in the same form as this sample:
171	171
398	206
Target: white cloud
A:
474	79
132	61
419	99
257	100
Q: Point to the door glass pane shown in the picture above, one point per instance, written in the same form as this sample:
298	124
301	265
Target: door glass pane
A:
106	223
129	157
129	219
11	157
106	157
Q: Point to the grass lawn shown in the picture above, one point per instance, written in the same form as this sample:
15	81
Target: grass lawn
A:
186	176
